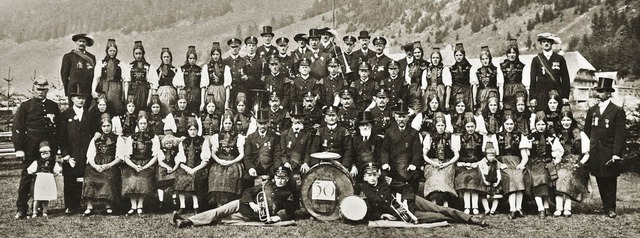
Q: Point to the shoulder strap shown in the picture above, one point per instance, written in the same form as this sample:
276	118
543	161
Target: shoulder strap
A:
547	68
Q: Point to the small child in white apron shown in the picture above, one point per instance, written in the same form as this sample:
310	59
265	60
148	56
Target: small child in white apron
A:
44	187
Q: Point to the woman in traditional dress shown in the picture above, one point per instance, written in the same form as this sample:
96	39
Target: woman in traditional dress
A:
181	115
140	152
167	81
521	115
213	76
156	117
191	75
489	80
101	177
436	80
552	112
101	109
193	157
490	117
424	122
460	79
458	118
573	176
413	77
108	79
543	147
468	180
225	174
512	70
125	125
245	122
513	160
141	81
210	118
440	151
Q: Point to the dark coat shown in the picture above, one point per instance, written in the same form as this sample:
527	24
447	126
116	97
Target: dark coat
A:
401	149
360	56
283	201
260	152
31	126
293	149
77	70
607	134
337	141
74	140
541	83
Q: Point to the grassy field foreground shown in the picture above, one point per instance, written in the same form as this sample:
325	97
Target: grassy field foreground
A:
586	222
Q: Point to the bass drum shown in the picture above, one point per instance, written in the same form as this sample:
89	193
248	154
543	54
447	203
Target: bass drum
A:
323	187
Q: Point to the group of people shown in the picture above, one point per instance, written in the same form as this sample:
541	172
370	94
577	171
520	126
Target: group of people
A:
207	134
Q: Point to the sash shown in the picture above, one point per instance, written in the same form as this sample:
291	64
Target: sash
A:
84	56
546	68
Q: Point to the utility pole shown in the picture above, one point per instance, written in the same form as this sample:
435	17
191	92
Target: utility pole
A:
8	79
333	12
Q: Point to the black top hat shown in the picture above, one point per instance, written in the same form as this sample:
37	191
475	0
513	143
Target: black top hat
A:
77	91
365	117
364	35
77	37
350	39
379	40
234	41
314	33
408	47
402	108
282	41
267	31
297	110
262	116
301	37
605	84
250	40
282	171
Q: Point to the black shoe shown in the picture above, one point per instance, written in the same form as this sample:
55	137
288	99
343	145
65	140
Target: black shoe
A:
20	215
611	214
512	215
542	215
178	222
478	221
519	213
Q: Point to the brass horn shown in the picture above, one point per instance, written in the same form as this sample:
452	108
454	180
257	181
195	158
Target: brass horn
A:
402	209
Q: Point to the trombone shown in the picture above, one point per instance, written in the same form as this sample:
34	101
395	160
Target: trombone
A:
402	209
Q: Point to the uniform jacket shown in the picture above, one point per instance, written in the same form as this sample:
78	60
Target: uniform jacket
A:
35	120
260	152
361	56
365	151
283	201
379	68
541	83
337	141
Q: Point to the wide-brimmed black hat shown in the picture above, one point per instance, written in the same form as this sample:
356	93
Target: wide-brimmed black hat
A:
77	37
267	31
605	84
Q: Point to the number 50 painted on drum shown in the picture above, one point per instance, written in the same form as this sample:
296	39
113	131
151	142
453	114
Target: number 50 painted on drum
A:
323	190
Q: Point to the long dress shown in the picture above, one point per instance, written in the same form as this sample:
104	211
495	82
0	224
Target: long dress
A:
167	83
489	78
461	83
141	79
192	151
141	148
435	79
102	186
469	178
572	181
512	72
509	145
440	147
169	147
213	76
225	182
192	76
108	80
542	149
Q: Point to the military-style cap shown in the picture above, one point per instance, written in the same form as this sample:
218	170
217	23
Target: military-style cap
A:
364	35
86	37
371	167
330	110
364	65
379	40
275	95
282	41
346	93
309	95
349	39
282	171
382	92
305	62
273	59
267	31
251	40
333	62
234	42
41	83
393	64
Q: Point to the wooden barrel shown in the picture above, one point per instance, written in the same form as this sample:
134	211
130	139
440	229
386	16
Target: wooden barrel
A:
323	187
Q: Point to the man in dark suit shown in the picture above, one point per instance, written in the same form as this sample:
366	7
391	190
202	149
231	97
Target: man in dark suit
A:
364	54
331	138
266	49
36	120
78	65
401	152
366	144
299	52
76	133
380	61
315	55
605	126
292	150
548	72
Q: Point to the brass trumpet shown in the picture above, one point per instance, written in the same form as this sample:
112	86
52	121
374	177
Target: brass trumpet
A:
402	209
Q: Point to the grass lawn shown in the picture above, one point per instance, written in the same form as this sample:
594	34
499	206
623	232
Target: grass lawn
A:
584	223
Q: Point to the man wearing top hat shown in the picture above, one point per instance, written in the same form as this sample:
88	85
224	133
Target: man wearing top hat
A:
331	138
605	126
332	83
234	72
347	111
78	65
364	54
259	148
294	141
317	58
75	134
366	144
380	61
382	112
286	61
36	120
277	81
401	152
266	49
548	72
398	87
364	87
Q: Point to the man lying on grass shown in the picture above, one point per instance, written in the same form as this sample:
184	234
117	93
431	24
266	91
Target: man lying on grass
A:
378	196
282	199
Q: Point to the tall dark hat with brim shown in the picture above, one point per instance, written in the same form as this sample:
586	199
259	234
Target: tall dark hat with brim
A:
605	84
262	116
297	110
267	31
364	35
314	33
365	117
76	90
326	31
402	108
87	38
